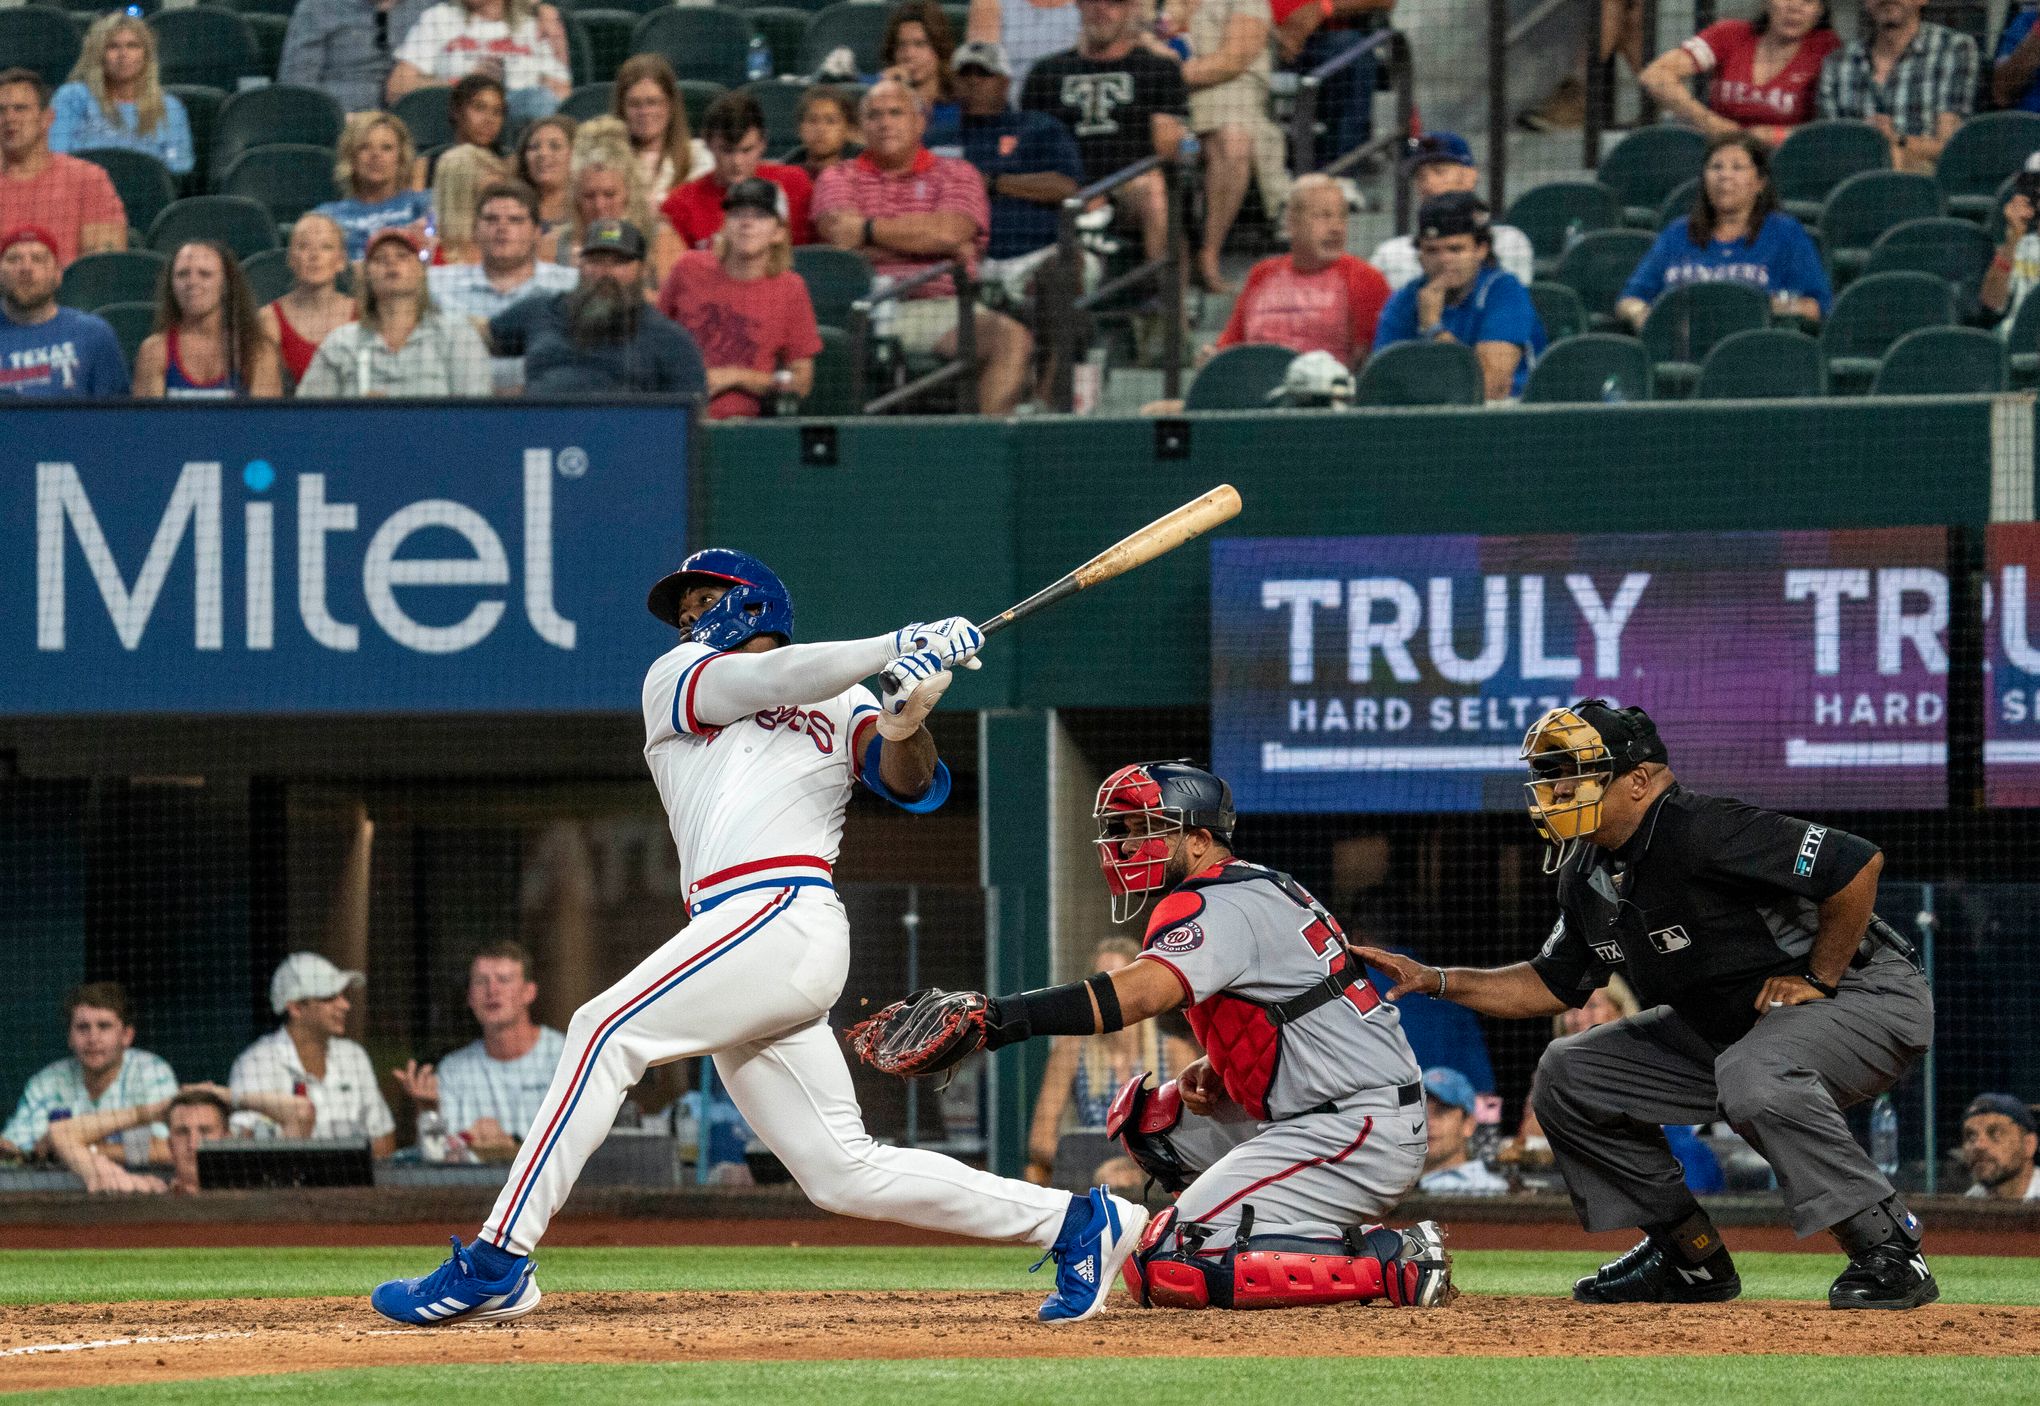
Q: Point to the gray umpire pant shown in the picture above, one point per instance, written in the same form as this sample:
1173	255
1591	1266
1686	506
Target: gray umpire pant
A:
1603	1097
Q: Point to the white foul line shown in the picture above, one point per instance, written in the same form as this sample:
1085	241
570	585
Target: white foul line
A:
120	1342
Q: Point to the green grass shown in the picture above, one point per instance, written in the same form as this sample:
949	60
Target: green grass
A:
1238	1381
66	1276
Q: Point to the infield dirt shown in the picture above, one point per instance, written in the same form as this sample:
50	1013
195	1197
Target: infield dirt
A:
167	1341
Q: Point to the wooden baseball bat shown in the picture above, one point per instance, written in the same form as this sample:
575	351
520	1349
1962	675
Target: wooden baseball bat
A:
1164	534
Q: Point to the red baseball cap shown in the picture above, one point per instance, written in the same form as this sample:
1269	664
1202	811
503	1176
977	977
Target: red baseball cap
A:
401	232
32	232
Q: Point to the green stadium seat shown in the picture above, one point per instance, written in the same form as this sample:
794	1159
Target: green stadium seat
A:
2023	342
132	323
834	391
143	183
289	178
607	31
1679	202
1239	378
1764	363
1647	165
268	274
779	98
243	225
1815	157
281	8
37	37
281	112
426	112
784	29
857	25
1874	312
1421	373
1866	205
117	276
700	42
807	6
638	8
1590	368
1559	309
1686	322
1944	361
589	100
270	32
206	45
835	279
1558	212
1598	265
695	95
1957	250
1983	152
203	104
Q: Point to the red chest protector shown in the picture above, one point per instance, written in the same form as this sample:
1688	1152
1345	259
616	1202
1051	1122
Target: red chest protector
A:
1243	1037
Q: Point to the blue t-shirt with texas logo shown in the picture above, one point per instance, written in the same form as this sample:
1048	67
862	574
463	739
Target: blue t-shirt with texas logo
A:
70	354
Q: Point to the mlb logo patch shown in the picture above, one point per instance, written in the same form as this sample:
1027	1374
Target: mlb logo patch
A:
1670	940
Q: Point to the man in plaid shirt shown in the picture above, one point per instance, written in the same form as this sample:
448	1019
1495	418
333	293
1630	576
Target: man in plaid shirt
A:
1913	81
105	1072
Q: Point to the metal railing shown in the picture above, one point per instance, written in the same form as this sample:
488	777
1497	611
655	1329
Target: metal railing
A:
963	367
1394	47
1503	37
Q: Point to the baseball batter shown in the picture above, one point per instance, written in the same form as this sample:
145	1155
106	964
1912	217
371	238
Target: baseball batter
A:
755	743
1303	1120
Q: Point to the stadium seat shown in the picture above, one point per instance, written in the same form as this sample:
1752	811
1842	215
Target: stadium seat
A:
268	274
835	279
37	37
1588	369
1874	312
1815	157
117	276
206	45
270	33
282	8
606	32
779	98
1956	250
202	107
589	100
132	323
2023	342
1866	205
1556	213
426	113
1598	266
1647	165
281	112
1679	202
639	8
806	6
1686	322
783	28
857	25
1984	150
243	225
288	178
1559	309
699	42
1420	373
1239	378
695	95
143	183
1764	363
1943	361
834	391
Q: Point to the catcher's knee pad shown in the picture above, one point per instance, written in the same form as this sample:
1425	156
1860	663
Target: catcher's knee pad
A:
1142	1119
1171	1269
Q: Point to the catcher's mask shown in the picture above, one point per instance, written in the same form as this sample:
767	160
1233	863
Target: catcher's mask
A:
1574	754
1140	807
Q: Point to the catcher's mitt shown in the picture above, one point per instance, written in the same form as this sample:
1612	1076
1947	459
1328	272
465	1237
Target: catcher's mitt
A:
929	1032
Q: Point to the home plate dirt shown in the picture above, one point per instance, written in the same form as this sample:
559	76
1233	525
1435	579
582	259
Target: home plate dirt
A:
68	1345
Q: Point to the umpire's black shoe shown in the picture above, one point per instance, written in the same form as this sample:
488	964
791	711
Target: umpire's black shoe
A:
1891	1275
1650	1273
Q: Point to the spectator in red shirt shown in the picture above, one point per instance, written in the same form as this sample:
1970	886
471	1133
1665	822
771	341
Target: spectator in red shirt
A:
1762	73
72	199
734	128
1317	297
746	307
905	209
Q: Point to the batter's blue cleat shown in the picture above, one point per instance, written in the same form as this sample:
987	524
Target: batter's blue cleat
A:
456	1292
1098	1234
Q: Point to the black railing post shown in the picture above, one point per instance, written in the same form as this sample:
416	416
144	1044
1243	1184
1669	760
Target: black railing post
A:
966	339
1062	308
1176	182
1403	81
860	351
1303	125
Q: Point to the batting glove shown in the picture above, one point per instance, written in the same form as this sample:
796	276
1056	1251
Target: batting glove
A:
953	640
909	689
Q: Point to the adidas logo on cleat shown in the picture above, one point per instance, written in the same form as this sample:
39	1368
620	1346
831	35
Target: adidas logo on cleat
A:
1087	1270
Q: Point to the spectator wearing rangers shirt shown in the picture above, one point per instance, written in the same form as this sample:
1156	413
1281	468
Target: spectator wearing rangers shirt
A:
73	200
310	1055
1761	73
1317	297
45	349
1913	81
522	44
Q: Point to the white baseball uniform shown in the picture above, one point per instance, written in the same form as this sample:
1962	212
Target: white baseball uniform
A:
755	756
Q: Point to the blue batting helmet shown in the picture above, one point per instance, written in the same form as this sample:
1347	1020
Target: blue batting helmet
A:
756	603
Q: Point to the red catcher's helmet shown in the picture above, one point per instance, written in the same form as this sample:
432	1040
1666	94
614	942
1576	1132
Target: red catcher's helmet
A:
1171	798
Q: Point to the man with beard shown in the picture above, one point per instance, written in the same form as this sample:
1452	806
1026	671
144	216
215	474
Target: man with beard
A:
1912	80
1998	1143
47	350
603	337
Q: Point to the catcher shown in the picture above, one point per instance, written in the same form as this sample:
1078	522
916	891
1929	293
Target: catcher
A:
1304	1118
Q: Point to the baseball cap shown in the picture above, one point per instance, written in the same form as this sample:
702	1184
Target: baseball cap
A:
1629	734
1437	146
403	234
614	237
2009	1105
1449	1087
1459	212
1315	377
33	233
756	193
2027	182
981	54
306	976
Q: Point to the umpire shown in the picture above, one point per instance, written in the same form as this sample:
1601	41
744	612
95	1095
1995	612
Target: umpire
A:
1745	935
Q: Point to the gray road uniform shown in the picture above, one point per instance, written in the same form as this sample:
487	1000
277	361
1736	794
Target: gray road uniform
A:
1708	900
1324	1124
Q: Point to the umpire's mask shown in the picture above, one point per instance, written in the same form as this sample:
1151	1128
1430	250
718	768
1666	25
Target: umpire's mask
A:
1574	754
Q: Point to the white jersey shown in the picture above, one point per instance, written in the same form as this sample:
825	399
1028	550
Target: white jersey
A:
745	797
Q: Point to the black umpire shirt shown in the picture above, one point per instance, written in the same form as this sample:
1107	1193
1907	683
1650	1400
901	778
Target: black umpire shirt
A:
1704	903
